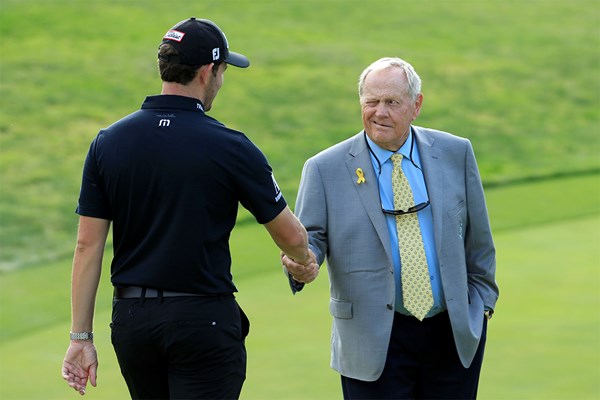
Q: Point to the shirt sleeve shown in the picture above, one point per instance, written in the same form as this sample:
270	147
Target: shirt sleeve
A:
93	200
259	192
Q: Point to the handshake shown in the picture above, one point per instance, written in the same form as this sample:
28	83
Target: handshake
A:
302	271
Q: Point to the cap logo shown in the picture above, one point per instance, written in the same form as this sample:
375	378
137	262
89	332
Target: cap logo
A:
174	35
216	54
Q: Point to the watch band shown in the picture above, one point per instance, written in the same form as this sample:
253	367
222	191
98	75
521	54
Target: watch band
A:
82	336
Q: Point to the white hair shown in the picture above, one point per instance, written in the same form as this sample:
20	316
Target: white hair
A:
414	82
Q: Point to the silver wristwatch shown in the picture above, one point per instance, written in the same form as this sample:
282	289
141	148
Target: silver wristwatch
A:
82	336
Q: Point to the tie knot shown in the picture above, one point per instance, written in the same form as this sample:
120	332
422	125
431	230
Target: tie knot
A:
397	159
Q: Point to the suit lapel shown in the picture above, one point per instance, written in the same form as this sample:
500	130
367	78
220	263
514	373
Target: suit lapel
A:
359	157
431	159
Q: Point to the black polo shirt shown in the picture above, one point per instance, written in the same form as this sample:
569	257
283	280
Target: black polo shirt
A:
171	178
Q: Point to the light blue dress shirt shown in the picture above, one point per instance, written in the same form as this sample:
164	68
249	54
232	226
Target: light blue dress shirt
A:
380	156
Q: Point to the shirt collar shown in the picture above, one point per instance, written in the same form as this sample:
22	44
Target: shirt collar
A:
383	155
173	102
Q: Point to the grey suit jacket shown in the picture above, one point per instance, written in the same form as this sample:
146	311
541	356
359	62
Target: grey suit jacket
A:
347	228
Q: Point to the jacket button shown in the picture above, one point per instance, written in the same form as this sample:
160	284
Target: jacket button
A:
389	306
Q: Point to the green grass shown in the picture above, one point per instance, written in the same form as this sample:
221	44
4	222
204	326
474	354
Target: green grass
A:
511	208
543	201
544	341
535	349
525	93
547	268
521	79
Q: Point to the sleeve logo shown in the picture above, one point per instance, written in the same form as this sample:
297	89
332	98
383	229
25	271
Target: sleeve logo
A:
278	193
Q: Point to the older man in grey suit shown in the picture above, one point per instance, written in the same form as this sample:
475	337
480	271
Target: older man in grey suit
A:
392	205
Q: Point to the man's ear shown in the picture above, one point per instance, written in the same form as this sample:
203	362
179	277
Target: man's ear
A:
204	72
418	105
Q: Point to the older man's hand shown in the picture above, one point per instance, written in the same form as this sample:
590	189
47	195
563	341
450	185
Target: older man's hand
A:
300	272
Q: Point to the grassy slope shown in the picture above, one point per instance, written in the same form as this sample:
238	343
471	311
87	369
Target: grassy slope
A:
525	94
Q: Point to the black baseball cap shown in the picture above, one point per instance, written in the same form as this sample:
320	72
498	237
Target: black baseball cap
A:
200	42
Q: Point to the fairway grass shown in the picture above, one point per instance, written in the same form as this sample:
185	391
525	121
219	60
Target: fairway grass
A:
542	342
526	95
544	339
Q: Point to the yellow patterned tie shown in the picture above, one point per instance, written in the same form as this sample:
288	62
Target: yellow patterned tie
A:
416	286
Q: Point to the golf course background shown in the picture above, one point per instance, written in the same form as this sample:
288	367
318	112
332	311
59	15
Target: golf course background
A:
520	79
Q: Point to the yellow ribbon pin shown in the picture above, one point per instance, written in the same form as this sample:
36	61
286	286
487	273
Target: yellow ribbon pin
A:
361	176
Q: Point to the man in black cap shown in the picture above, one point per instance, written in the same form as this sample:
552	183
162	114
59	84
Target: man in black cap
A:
170	179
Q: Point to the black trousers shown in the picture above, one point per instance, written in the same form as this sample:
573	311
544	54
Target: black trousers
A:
181	347
422	363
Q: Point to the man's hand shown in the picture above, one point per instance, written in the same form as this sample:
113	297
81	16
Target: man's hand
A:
300	272
79	365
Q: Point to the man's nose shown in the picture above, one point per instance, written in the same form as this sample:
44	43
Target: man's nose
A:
381	109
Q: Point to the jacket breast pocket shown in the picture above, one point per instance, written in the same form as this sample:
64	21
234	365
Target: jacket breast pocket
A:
340	308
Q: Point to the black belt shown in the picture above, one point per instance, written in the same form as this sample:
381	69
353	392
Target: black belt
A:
136	292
